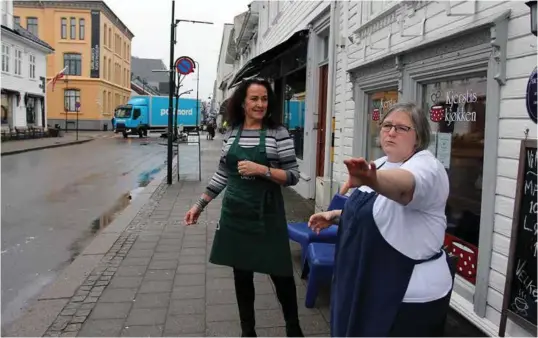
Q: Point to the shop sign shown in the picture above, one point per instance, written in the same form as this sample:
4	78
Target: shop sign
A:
446	112
381	105
530	97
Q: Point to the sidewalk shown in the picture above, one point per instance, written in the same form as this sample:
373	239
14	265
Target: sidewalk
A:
20	146
148	275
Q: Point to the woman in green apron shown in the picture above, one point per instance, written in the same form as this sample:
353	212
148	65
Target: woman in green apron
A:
258	157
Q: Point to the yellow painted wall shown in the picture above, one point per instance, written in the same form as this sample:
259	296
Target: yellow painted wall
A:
99	97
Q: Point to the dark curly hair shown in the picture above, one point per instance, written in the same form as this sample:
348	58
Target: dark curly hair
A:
235	113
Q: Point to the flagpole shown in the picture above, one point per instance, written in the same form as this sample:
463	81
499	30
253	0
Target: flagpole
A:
65	105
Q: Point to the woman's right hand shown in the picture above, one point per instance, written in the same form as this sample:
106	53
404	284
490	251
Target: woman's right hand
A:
320	221
192	215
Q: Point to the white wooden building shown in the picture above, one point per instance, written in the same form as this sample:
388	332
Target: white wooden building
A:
24	63
473	58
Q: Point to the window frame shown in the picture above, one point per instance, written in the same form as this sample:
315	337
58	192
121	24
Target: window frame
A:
36	25
6	57
81	29
70	58
67	96
17	20
32	66
63	28
72	28
17	62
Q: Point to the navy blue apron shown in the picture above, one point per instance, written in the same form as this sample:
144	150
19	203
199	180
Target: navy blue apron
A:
370	276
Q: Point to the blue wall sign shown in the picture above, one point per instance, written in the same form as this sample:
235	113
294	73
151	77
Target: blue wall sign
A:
530	98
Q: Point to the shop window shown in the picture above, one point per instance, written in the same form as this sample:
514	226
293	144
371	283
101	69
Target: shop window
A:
6	109
31	25
81	29
30	110
457	113
73	62
379	104
63	28
71	97
294	109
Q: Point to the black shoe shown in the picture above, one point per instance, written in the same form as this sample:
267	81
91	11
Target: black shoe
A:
294	330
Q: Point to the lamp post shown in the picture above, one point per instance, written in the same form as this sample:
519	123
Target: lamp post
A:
171	87
532	7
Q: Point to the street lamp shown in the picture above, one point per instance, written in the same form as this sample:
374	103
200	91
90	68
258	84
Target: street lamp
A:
532	6
171	82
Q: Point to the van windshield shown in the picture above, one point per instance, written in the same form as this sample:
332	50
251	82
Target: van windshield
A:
123	112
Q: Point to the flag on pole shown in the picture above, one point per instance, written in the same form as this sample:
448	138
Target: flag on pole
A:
57	77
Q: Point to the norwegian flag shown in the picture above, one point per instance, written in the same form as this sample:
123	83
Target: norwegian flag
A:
57	77
437	113
375	115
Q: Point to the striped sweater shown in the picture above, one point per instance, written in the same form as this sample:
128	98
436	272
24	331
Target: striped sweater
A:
280	152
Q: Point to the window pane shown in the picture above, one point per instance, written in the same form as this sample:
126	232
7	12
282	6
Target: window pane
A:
17	20
64	28
31	25
294	108
82	29
457	116
73	29
378	105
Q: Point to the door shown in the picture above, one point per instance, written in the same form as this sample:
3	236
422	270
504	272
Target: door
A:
322	119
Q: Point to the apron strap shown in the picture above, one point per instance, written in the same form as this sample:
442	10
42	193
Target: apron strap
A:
263	133
432	258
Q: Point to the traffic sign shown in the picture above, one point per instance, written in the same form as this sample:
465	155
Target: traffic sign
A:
185	65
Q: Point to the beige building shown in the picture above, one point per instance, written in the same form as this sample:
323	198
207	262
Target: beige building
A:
94	45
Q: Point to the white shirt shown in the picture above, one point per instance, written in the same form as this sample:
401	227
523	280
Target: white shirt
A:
417	230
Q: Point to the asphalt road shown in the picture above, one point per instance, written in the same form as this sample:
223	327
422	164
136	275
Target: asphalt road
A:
55	200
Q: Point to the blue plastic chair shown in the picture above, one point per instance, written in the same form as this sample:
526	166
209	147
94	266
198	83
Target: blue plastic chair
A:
318	267
302	234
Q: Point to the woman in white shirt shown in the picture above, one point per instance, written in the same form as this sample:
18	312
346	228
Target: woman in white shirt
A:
391	276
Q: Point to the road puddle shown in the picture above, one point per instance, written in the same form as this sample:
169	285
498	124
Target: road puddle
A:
109	215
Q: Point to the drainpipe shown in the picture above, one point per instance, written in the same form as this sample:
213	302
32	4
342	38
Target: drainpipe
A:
331	94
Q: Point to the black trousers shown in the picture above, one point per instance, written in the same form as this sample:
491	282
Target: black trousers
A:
421	319
245	293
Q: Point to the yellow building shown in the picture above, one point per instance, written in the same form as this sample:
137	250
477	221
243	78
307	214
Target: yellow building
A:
94	45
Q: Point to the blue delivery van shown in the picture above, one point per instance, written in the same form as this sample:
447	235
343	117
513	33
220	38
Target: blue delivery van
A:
143	113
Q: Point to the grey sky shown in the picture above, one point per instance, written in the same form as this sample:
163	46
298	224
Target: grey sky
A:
149	20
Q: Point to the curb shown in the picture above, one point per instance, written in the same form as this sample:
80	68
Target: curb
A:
36	319
14	152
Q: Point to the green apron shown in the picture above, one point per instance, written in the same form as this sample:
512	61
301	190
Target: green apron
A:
252	233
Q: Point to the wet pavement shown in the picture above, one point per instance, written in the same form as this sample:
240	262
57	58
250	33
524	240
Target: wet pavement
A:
55	200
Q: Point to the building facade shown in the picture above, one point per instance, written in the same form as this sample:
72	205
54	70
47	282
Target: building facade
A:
224	69
24	66
93	46
143	69
467	63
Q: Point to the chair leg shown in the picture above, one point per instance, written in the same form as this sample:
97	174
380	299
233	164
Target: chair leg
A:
311	289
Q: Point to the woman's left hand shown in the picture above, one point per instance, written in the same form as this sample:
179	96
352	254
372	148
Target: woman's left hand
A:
360	173
248	168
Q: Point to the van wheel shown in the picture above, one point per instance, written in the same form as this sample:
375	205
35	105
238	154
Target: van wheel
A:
125	135
140	133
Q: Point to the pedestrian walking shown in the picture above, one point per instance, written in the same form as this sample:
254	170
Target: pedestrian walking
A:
391	275
258	157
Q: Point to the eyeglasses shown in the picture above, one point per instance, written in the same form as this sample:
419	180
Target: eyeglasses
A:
400	129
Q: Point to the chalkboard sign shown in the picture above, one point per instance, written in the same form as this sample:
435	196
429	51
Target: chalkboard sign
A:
520	293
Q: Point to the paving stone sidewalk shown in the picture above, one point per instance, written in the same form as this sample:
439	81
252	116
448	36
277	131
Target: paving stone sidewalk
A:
156	279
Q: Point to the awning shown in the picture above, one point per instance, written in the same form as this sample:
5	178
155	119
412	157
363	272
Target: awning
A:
256	64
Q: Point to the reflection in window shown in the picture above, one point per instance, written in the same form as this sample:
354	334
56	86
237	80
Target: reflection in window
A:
378	105
30	110
294	109
457	112
71	97
6	109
